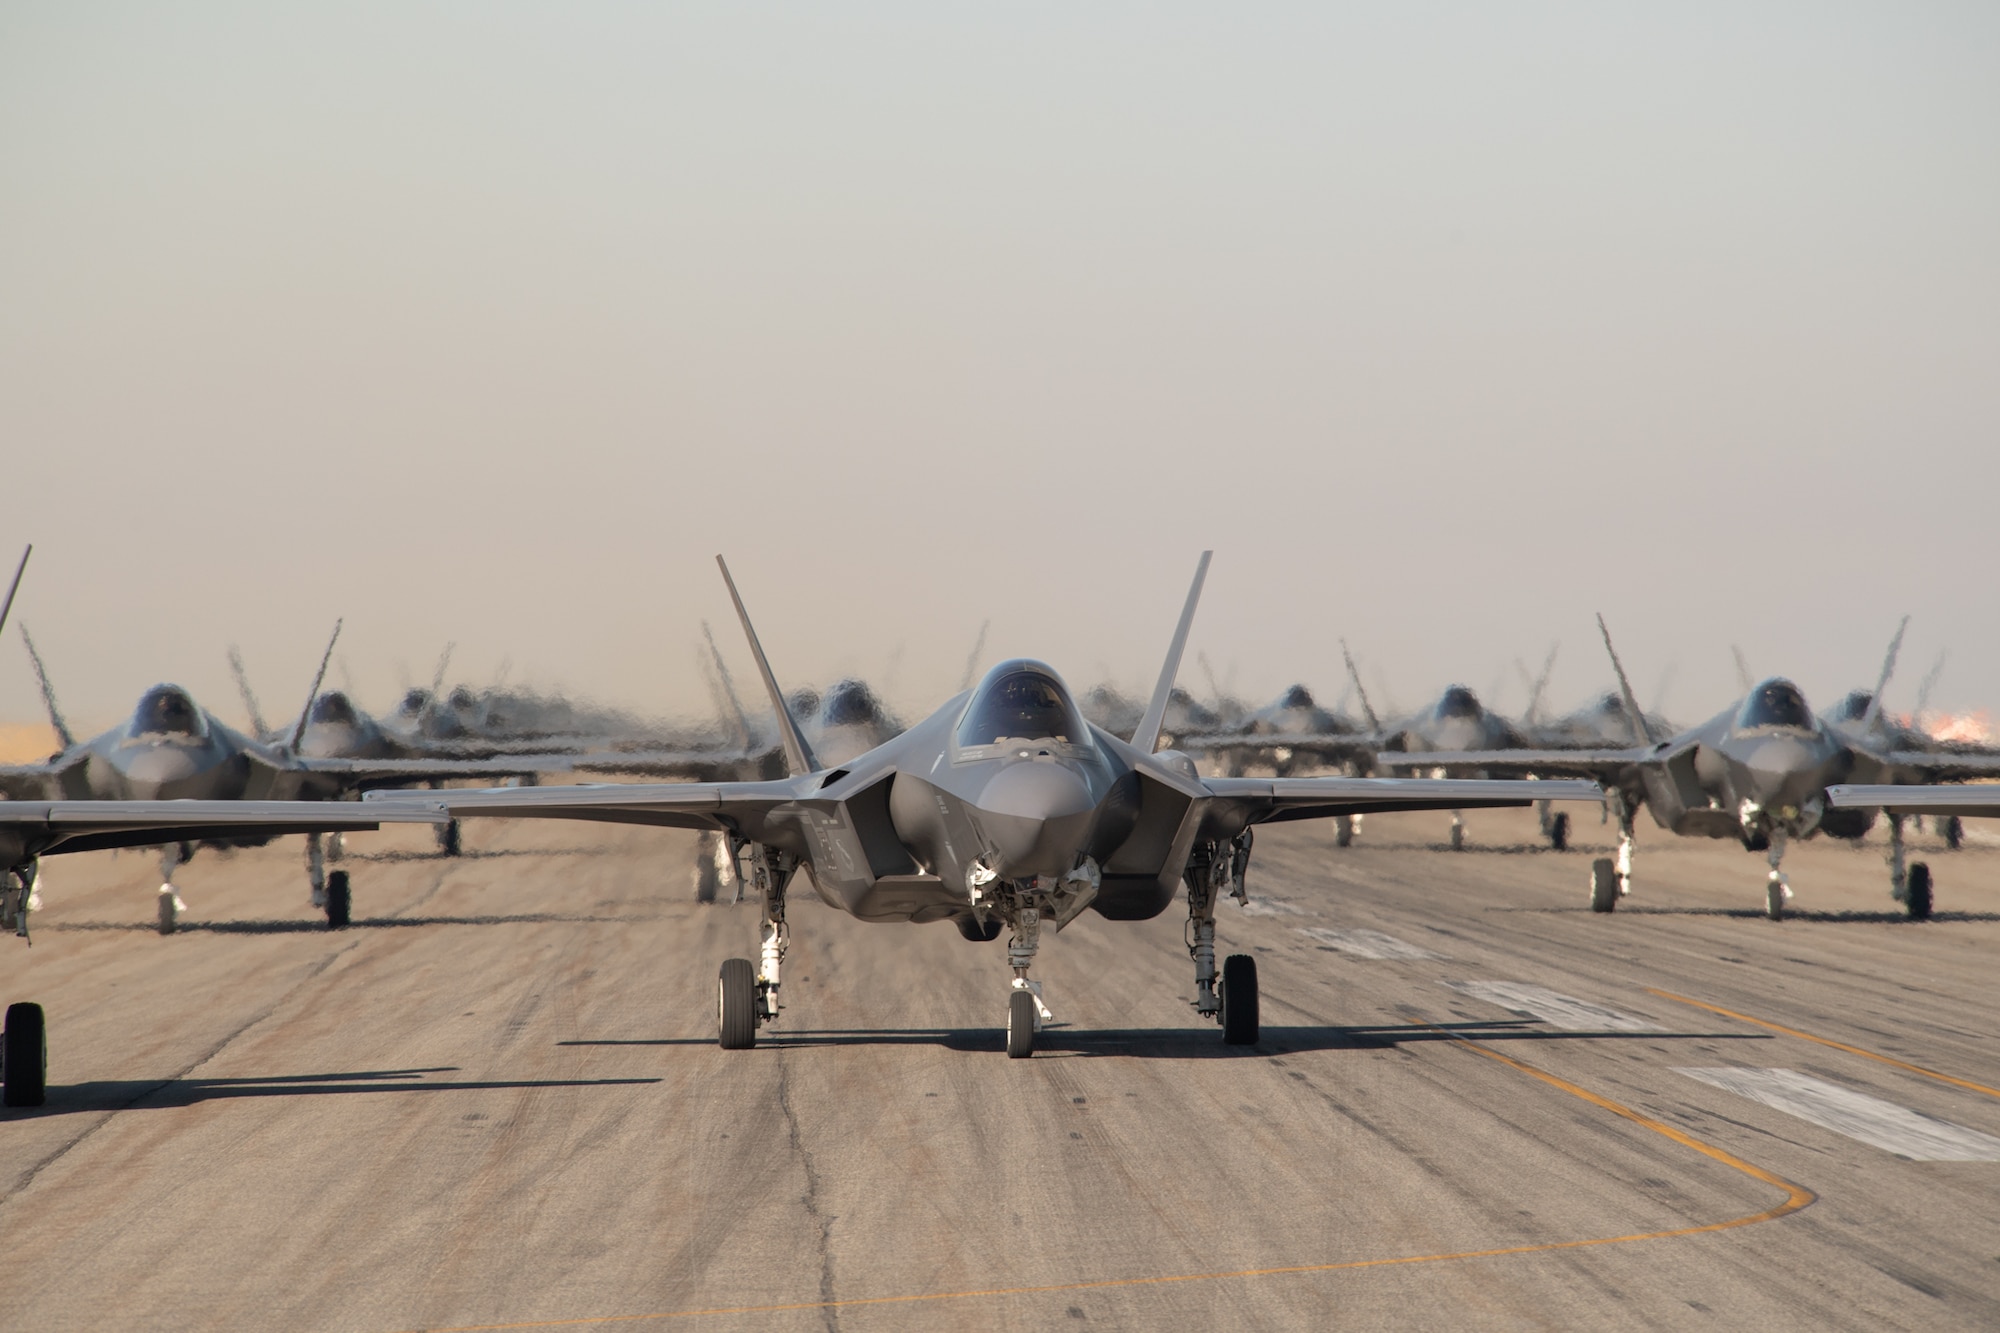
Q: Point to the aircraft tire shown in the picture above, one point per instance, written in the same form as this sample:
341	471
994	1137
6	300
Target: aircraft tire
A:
449	843
24	1056
1954	831
1559	831
707	881
970	927
1343	831
1774	901
736	1005
1917	892
339	901
1239	1000
169	914
1603	885
1020	1024
1458	837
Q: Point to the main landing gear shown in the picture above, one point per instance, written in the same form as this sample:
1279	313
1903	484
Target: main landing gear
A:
1211	871
745	999
1911	885
172	857
1611	879
332	892
1555	826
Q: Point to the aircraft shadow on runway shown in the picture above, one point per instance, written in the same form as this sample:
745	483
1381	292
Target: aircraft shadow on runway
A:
1182	1043
316	926
1896	916
154	1094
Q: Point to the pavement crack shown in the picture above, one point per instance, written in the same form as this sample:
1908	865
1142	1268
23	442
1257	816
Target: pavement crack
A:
821	1221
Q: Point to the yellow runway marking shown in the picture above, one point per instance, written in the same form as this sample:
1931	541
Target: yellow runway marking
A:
1796	1197
1828	1041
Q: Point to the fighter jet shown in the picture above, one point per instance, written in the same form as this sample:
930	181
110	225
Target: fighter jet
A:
31	830
1004	810
1758	771
171	748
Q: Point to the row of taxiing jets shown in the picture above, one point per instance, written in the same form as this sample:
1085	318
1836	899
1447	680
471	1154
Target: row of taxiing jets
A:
1005	811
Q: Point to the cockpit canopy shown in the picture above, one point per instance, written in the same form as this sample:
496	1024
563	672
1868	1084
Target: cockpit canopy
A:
850	703
333	709
1852	708
415	701
168	710
1021	700
1298	696
1775	703
1458	701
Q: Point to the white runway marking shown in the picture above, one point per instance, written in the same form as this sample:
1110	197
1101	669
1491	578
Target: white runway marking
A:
1273	907
1365	943
1885	1125
1561	1011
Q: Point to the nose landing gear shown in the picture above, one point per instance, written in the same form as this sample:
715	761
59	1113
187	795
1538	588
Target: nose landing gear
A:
1778	888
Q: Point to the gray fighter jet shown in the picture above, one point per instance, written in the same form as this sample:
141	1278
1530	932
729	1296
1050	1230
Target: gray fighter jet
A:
171	748
1758	771
1004	810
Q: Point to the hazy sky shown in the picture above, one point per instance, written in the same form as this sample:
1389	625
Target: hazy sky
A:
1446	325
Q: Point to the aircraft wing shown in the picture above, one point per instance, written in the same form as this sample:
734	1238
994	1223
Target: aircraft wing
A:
695	805
39	828
389	772
1597	764
1947	765
1979	801
1270	800
1300	742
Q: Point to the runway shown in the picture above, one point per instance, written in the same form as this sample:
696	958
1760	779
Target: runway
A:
497	1100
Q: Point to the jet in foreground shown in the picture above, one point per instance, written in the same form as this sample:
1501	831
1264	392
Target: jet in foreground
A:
1004	810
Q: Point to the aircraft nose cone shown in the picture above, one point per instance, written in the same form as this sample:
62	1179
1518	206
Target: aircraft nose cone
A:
1034	817
151	771
1776	767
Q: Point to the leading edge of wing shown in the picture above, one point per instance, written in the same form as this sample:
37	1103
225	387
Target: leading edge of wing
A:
1303	798
674	804
1978	801
249	816
1540	761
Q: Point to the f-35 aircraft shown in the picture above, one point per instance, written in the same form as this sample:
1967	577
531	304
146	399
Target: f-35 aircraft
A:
1004	810
1758	771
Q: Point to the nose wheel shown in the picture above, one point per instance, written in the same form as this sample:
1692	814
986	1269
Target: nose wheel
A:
24	1056
1239	1000
1021	1023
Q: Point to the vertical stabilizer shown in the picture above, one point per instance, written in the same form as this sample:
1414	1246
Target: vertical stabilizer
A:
1354	675
1148	735
305	714
1642	731
1874	715
61	728
798	755
15	586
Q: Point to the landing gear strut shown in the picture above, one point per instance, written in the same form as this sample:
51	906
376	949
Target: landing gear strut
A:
1910	886
748	1000
1212	871
172	857
1778	888
1611	879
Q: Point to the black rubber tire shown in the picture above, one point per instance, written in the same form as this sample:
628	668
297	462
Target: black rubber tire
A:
449	843
339	901
1020	1025
1953	829
169	914
736	1005
1774	902
1343	831
1559	831
1458	837
969	927
707	881
1239	1000
1603	885
1917	892
24	1056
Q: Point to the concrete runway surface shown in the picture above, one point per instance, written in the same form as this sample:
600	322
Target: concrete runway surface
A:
497	1100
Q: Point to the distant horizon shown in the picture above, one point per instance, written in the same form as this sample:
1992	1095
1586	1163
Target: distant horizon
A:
1446	327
